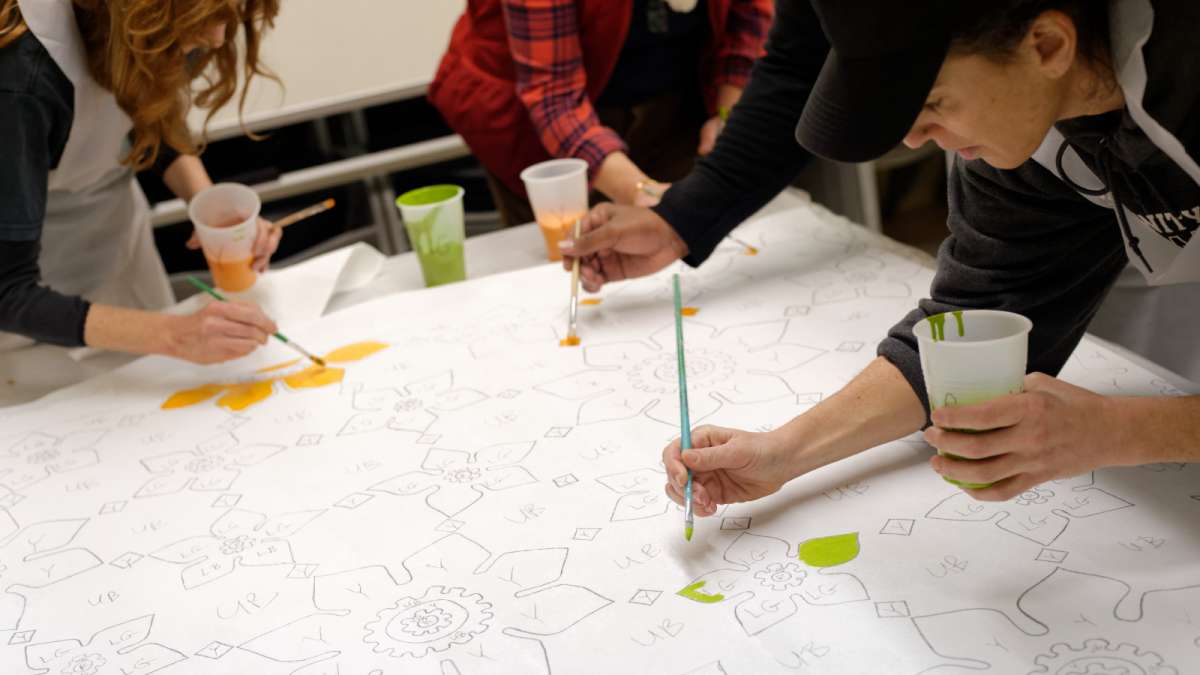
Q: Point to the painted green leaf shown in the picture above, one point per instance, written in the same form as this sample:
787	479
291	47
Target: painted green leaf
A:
693	593
830	551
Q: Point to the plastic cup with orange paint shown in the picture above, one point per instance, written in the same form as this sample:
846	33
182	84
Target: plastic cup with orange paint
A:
558	193
226	220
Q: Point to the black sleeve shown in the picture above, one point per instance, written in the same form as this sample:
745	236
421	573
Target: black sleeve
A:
25	134
36	111
32	310
1024	242
756	155
166	157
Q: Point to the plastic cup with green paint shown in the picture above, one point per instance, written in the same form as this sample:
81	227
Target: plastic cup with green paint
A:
972	356
433	219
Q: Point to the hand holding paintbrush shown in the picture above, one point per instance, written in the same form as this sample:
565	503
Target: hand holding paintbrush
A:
277	335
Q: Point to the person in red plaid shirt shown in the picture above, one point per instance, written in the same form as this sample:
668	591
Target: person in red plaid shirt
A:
635	87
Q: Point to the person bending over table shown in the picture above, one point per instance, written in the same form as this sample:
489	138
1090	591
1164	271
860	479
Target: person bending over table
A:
1077	151
634	87
90	91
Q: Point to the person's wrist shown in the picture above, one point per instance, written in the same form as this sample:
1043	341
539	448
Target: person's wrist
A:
1121	439
786	447
169	336
676	243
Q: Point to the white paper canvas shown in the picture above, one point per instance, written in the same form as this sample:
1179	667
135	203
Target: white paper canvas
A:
476	499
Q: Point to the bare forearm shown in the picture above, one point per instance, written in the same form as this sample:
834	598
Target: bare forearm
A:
876	407
618	178
1158	429
129	330
727	96
186	176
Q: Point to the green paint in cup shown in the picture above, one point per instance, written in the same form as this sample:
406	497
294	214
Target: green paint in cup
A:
984	359
433	218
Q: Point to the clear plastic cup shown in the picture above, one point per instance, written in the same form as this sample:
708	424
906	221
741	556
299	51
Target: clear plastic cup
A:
558	193
226	220
972	356
433	218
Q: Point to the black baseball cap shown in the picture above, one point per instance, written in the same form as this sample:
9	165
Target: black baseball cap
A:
884	58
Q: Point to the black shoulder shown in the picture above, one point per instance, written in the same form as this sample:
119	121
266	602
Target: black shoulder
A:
27	68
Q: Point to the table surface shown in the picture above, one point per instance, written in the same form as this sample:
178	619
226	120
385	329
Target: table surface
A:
33	372
337	57
458	494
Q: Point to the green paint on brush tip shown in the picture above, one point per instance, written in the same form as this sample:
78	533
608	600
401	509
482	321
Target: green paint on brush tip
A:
829	551
693	593
687	532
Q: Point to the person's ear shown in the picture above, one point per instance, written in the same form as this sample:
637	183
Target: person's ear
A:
1052	43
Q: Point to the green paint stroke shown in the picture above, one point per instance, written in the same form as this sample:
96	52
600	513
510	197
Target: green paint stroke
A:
693	593
830	551
958	320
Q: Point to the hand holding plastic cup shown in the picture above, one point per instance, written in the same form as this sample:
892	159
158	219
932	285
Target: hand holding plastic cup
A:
558	193
972	356
226	220
433	218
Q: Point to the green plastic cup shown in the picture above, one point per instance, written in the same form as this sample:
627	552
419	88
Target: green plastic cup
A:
433	218
972	356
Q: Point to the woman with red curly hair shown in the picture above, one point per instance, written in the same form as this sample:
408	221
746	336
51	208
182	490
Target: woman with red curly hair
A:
90	92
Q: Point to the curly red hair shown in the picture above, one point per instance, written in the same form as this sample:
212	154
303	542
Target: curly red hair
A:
135	49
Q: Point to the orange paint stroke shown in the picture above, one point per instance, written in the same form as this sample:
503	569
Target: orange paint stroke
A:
278	366
750	250
355	352
591	301
242	396
315	376
182	399
569	341
689	311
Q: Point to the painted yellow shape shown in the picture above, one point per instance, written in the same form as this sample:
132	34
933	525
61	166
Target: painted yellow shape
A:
693	593
355	352
569	341
689	311
830	551
242	396
278	366
591	301
182	399
315	376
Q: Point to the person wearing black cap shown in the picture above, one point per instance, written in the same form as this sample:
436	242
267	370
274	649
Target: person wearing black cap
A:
1077	129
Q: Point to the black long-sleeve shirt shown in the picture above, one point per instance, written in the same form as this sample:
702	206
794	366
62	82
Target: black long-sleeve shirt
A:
1021	240
37	109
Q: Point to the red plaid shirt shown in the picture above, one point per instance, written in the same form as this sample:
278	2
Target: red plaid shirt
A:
543	36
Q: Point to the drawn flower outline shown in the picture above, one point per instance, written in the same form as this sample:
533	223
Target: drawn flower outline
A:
459	478
453	607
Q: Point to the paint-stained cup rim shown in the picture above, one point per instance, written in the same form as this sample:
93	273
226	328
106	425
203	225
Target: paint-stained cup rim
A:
553	170
924	332
224	192
430	195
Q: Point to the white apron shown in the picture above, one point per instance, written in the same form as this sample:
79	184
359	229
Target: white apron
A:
1154	313
97	240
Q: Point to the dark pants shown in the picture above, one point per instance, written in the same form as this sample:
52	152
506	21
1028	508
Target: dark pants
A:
662	135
